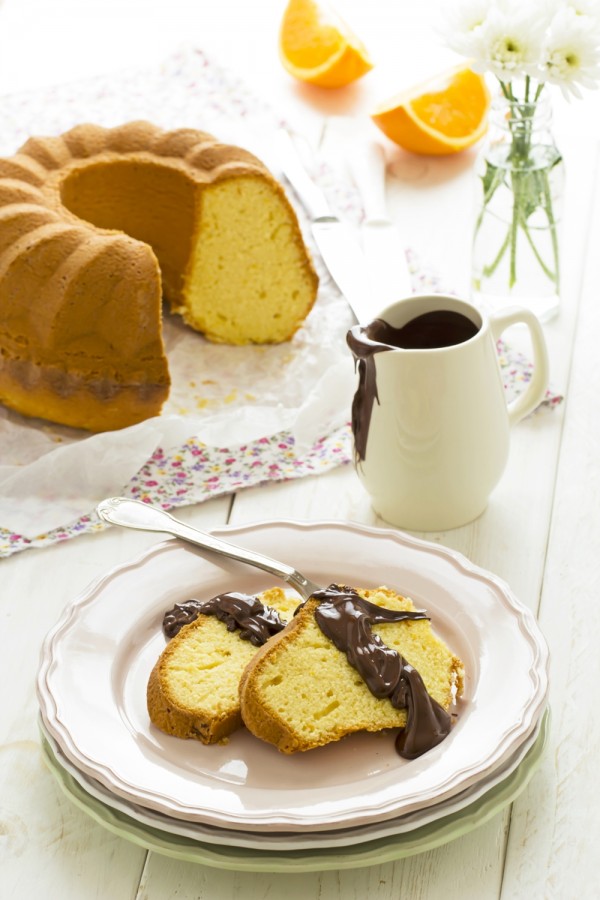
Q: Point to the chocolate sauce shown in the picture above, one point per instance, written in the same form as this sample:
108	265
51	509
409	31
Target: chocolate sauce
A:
364	349
257	623
346	619
431	330
181	614
439	328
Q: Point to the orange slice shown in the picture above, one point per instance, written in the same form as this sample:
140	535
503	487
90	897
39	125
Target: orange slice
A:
316	46
443	115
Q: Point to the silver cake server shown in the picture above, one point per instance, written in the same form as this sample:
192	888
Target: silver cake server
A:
381	240
336	240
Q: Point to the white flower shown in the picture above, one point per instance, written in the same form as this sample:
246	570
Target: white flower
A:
511	39
546	40
589	8
541	10
460	25
571	52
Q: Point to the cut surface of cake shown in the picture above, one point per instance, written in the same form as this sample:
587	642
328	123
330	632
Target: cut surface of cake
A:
96	226
300	691
193	690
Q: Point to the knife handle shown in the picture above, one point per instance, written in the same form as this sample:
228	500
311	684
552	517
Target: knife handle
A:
312	197
367	164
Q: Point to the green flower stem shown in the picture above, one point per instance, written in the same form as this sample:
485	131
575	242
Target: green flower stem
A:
488	271
512	275
553	276
520	221
553	230
530	187
489	191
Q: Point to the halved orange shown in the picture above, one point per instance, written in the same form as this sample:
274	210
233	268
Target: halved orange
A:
444	115
316	46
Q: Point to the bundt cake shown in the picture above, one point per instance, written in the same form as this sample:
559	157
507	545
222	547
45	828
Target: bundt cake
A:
193	688
300	691
96	225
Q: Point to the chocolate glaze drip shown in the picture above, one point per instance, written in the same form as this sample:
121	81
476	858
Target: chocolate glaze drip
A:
346	619
364	345
257	623
431	330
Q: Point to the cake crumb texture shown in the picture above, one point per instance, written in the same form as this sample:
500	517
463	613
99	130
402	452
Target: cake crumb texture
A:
193	690
299	691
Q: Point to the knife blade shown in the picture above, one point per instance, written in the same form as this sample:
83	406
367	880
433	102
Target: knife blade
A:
382	242
337	243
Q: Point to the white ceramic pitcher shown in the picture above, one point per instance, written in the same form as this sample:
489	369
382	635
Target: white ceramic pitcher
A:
431	426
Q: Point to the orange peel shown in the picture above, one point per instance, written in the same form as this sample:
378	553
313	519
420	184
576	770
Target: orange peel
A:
444	115
317	47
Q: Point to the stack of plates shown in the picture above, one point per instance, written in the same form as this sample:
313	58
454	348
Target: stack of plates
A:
243	805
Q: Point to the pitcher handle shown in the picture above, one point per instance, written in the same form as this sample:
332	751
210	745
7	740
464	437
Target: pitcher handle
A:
535	393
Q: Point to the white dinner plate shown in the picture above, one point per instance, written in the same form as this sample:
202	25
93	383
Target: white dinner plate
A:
97	660
285	841
241	859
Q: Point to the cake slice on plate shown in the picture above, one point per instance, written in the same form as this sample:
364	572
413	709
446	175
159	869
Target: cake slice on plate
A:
305	688
193	688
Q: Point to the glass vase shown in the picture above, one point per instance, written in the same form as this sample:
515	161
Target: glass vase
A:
516	245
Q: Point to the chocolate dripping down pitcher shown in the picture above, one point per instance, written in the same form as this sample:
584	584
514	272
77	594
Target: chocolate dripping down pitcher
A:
430	420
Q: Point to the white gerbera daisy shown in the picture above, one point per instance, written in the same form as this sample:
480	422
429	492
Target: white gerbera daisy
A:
589	8
511	38
571	52
540	10
460	25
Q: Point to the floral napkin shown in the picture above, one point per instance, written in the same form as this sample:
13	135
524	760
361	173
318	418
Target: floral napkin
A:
291	418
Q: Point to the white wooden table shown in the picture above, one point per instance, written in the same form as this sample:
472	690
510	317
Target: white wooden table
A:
540	532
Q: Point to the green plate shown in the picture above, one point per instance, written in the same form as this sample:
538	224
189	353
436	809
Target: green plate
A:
382	850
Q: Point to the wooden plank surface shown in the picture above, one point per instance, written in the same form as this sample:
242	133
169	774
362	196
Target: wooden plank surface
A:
540	533
556	822
48	847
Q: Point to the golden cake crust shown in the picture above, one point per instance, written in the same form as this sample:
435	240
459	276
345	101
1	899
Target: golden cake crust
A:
193	688
299	692
95	225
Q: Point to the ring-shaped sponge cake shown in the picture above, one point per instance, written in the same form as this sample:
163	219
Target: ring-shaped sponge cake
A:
96	226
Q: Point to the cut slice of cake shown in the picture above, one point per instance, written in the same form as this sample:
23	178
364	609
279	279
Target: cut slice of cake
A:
193	688
300	691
